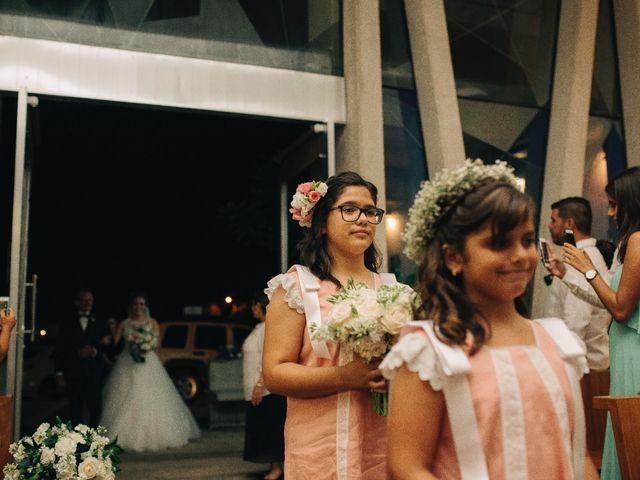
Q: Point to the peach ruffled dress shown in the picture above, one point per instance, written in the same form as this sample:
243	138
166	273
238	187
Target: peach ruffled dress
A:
336	436
523	399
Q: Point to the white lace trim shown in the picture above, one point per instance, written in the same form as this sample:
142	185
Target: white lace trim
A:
291	293
416	352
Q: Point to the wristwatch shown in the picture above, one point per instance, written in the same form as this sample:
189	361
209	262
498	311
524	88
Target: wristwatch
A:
590	274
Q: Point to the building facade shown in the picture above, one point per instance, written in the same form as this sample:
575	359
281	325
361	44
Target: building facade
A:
395	90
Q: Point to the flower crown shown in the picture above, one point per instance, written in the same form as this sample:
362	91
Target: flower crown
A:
437	196
307	195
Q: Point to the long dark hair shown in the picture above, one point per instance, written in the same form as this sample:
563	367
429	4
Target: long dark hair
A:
313	248
624	189
442	295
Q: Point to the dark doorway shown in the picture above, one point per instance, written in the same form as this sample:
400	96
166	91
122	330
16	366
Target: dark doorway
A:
183	206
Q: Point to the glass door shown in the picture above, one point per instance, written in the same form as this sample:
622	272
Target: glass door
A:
18	282
310	157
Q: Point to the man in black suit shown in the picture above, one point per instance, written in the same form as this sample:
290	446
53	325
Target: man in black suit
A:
79	356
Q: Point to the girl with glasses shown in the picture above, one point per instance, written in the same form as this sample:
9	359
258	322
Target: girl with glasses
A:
331	430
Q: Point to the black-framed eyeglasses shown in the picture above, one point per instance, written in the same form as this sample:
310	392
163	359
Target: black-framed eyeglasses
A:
351	213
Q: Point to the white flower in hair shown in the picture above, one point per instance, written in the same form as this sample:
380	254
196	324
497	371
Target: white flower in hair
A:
437	196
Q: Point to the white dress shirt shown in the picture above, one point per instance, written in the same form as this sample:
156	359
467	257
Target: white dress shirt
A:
587	321
252	360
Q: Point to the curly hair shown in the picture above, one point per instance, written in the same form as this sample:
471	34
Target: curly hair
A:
313	248
442	295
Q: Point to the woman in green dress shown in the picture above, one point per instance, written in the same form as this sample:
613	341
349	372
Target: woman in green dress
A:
620	298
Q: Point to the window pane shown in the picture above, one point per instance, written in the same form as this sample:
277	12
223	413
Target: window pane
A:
405	169
292	34
210	337
503	50
397	69
517	135
175	337
605	87
605	158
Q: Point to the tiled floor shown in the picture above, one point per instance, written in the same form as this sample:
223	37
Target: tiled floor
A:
217	455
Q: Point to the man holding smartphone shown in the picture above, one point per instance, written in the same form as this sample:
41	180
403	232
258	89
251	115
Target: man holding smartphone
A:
571	221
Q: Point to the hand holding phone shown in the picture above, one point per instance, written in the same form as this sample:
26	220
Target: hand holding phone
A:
4	305
544	251
569	237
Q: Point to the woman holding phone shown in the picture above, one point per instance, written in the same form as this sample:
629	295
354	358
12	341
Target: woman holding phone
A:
620	298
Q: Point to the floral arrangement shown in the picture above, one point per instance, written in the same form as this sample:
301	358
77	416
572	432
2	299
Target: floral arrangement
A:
305	199
438	195
141	340
64	452
367	322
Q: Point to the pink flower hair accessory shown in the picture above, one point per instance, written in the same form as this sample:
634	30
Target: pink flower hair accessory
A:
307	195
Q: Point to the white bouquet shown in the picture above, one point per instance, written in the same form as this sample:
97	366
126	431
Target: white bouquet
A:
141	340
367	322
64	452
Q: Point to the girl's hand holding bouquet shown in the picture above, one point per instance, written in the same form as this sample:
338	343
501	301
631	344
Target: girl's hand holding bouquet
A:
367	322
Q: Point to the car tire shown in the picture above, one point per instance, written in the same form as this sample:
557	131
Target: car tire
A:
187	382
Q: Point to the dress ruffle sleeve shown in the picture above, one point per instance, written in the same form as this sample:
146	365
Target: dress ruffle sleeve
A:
414	350
288	283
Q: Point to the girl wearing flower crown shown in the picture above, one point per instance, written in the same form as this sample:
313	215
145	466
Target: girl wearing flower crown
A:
479	391
331	430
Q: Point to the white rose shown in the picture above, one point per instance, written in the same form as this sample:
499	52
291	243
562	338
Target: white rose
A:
19	453
368	306
47	456
300	201
81	428
395	318
64	446
89	468
108	476
66	468
322	188
11	472
340	313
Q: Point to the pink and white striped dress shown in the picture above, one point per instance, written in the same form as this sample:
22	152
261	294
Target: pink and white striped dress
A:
337	436
515	406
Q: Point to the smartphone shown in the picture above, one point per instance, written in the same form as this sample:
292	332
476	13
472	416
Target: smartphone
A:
569	237
544	251
4	304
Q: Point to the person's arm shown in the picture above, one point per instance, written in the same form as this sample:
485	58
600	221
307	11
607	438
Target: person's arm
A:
575	280
119	333
283	375
8	323
416	412
620	303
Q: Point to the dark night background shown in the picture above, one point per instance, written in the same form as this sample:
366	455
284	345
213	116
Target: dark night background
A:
180	205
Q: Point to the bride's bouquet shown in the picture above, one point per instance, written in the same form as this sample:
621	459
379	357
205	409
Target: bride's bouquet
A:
141	340
64	452
367	322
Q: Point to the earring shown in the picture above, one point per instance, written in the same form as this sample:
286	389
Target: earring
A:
455	272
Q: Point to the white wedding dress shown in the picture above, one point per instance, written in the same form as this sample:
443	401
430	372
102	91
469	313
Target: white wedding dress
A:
142	407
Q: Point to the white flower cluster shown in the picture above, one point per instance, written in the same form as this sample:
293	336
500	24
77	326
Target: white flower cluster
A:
81	453
304	200
146	338
436	196
367	321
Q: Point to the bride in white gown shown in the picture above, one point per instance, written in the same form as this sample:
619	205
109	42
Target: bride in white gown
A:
141	405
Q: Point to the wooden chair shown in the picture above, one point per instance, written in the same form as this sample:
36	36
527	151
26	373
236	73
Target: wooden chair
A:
595	384
6	429
625	420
